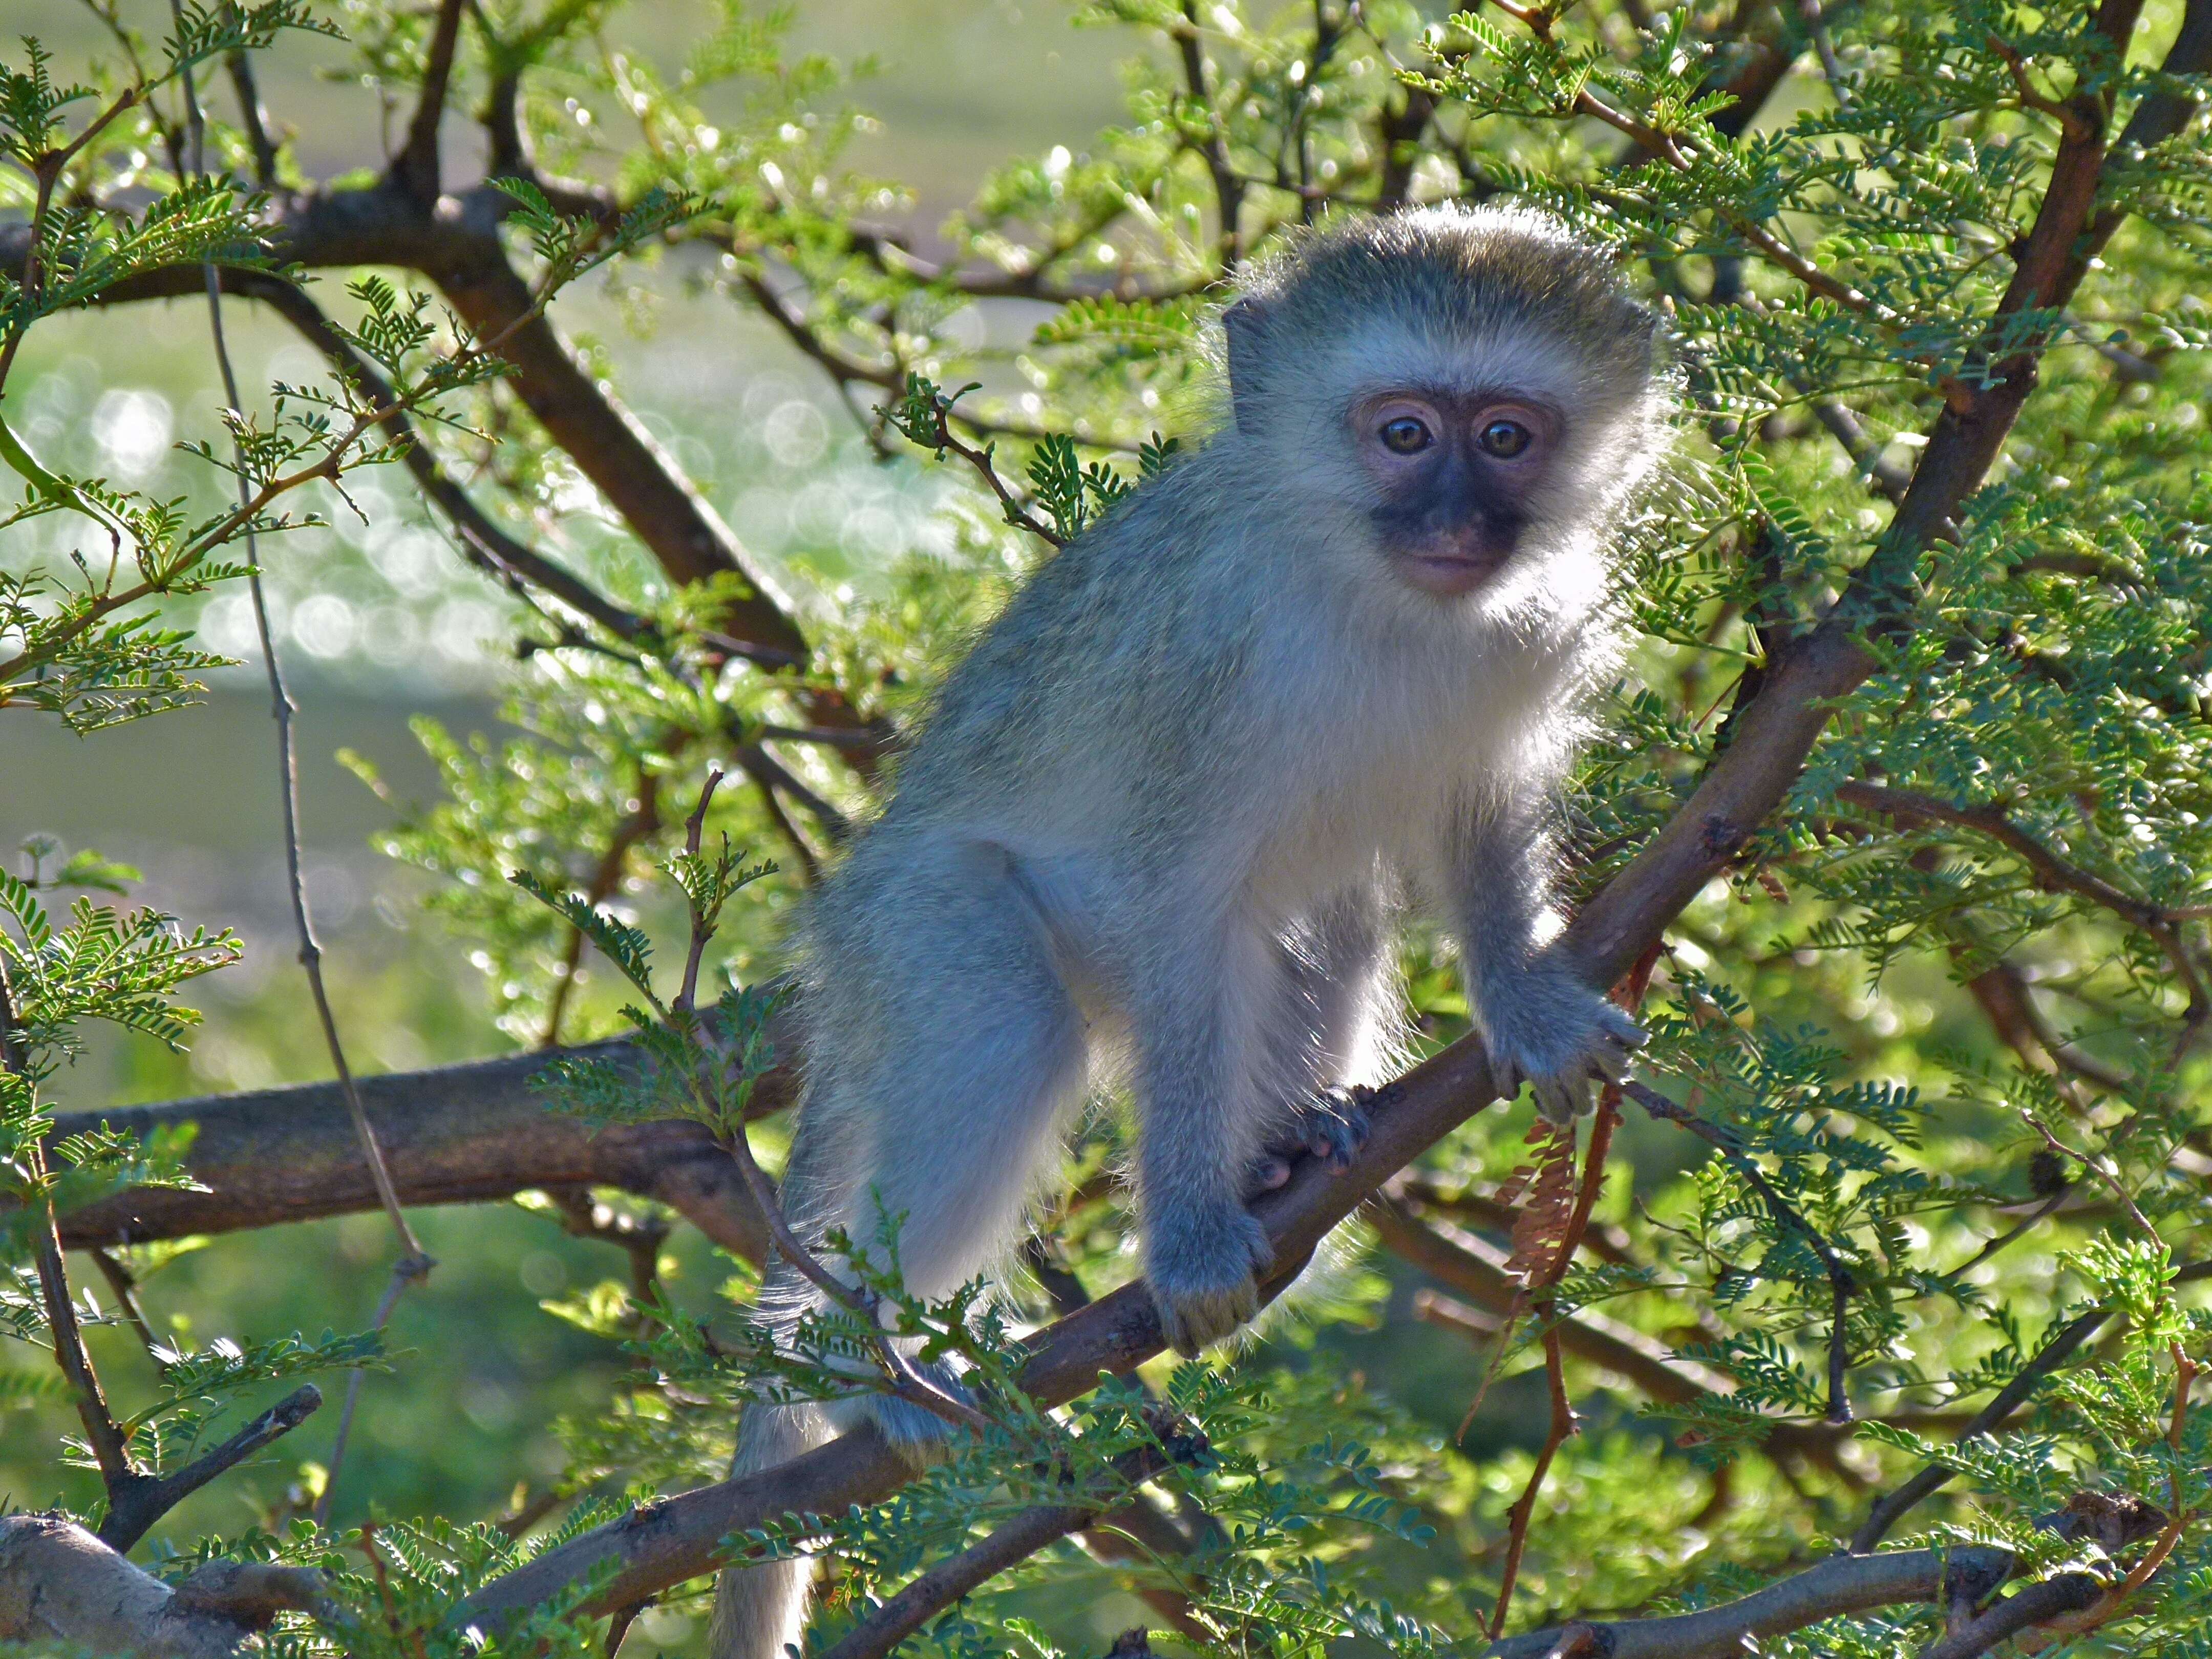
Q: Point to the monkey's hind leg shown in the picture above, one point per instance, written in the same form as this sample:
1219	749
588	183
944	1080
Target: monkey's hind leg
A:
1325	1028
945	1101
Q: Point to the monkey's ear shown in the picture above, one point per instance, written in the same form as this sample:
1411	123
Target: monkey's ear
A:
1244	323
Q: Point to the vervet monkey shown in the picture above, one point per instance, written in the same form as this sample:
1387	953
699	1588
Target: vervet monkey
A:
1159	813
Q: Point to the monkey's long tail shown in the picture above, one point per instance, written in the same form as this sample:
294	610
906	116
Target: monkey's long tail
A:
760	1610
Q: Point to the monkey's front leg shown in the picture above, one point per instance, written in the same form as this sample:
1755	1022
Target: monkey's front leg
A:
1542	1022
1198	1030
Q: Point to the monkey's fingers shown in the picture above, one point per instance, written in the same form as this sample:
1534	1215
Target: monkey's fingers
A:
1611	1059
1193	1323
1562	1097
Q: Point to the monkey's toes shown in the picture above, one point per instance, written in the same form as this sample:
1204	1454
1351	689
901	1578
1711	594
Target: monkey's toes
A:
1333	1127
1194	1321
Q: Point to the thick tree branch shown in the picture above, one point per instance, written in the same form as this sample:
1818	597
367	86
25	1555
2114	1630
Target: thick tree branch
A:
456	244
454	1134
482	539
1840	1586
2052	1598
60	1585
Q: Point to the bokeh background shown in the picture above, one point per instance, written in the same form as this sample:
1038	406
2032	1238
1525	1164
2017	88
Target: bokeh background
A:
382	627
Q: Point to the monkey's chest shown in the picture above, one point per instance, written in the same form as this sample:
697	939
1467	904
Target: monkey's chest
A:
1348	827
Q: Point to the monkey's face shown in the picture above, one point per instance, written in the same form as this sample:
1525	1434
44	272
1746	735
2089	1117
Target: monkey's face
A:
1455	477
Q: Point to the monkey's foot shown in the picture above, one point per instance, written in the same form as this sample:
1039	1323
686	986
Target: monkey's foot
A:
1578	1047
1204	1274
1332	1126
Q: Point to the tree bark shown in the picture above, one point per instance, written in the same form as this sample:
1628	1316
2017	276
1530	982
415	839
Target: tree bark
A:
455	1134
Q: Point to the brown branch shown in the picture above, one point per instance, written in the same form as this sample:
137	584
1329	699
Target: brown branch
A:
252	119
606	877
1482	1209
1476	1269
2003	994
59	1584
456	244
451	1135
640	1238
110	1449
809	862
1199	88
2051	1598
948	1581
757	761
1543	1298
1840	1586
2052	871
416	167
143	1499
482	539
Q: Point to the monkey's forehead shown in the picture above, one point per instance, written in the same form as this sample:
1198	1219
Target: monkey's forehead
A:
1470	268
1374	355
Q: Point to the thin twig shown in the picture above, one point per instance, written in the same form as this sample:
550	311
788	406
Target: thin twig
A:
904	1380
694	829
405	1272
252	118
1017	1541
413	1263
109	1449
125	1290
1841	1285
635	826
1561	1426
1886	1511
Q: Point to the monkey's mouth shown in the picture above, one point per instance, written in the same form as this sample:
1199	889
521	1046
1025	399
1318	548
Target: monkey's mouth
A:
1446	573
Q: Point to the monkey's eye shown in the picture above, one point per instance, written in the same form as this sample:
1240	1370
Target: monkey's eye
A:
1503	439
1406	436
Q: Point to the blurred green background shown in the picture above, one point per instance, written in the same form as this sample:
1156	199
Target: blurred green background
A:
382	623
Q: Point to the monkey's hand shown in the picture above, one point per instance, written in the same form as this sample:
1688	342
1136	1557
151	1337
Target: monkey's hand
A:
1203	1267
1558	1035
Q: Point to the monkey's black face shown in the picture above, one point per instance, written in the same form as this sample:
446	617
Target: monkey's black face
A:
1455	477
